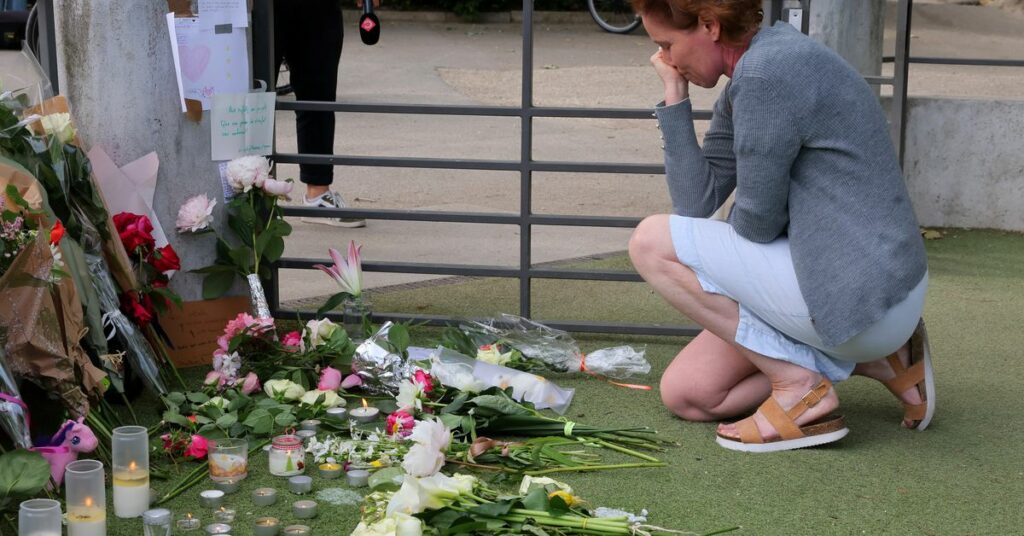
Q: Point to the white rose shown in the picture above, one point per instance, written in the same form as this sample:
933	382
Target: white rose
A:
59	125
247	172
320	331
422	460
283	390
331	398
490	354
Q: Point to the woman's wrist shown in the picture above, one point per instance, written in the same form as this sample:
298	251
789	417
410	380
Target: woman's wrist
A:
676	91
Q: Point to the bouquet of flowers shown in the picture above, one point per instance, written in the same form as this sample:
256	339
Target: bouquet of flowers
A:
152	268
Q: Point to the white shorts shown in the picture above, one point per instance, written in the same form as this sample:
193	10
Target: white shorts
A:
774	320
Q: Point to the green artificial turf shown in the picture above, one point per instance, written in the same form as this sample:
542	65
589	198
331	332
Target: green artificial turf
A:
964	475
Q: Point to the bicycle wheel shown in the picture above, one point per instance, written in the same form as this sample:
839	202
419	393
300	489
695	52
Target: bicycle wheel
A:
613	16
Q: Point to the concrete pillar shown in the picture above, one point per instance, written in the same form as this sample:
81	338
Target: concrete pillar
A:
851	28
116	69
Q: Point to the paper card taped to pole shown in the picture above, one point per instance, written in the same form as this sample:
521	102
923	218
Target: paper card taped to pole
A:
206	62
242	124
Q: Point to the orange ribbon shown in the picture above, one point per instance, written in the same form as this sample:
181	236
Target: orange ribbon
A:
583	368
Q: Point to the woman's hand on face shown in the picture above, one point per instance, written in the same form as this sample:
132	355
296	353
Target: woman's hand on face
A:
676	86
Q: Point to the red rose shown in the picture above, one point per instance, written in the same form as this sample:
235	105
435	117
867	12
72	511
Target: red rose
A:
165	259
140	312
56	233
135	231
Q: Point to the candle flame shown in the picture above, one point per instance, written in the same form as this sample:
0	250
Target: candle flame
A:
88	502
132	466
189	515
365	405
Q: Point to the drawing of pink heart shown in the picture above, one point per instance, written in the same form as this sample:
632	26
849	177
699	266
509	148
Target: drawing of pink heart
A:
194	60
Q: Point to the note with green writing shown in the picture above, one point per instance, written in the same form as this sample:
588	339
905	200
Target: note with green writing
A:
242	124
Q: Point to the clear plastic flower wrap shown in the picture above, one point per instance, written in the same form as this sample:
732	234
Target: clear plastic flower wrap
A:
558	350
467	374
381	369
13	412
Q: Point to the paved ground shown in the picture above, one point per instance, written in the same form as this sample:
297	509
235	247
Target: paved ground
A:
576	65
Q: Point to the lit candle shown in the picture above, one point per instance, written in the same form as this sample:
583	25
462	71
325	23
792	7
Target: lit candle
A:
264	496
357	478
211	498
224	515
297	530
267	526
304	509
131	491
188	523
227	486
330	470
367	413
87	520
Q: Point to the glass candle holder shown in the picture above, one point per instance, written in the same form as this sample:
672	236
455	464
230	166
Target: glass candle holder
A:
39	517
156	522
85	495
188	523
130	460
287	456
229	459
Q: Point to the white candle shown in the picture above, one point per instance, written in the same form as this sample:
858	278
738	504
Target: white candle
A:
131	492
87	521
366	413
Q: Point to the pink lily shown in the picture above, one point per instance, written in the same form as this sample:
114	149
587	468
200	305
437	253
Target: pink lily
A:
347	272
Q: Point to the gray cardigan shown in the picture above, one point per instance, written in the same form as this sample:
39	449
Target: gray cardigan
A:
801	138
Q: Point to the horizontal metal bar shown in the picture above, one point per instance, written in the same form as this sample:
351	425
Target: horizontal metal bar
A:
404	215
605	113
585	275
579	327
880	80
602	167
583	221
399	162
493	111
976	62
411	267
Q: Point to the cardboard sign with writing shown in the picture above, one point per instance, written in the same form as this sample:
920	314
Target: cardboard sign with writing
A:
193	329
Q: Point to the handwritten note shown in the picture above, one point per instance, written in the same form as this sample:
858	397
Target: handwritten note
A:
215	12
242	124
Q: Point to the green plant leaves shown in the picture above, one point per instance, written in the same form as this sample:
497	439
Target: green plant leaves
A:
23	473
260	421
217	284
499	403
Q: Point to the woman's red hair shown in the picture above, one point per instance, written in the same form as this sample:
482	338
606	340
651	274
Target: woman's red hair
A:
737	17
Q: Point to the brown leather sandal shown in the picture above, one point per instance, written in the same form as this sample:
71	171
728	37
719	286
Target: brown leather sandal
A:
920	374
825	430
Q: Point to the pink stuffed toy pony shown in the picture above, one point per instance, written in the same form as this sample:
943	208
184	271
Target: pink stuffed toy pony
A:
63	448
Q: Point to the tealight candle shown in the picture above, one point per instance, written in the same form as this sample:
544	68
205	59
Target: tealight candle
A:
357	478
267	526
224	515
305	435
337	413
211	498
312	425
218	528
264	496
367	413
188	523
300	484
330	470
227	486
297	530
304	509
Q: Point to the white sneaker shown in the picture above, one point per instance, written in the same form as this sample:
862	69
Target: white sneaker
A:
332	200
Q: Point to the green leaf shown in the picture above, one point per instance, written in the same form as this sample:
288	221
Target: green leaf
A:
226	420
332	303
23	473
451	421
274	250
238	403
558	506
242	257
279	227
387	479
284	419
496	509
176	418
177	398
197	397
260	421
501	404
398	336
456	404
217	284
536	499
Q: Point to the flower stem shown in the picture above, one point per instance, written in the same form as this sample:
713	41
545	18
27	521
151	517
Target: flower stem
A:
594	468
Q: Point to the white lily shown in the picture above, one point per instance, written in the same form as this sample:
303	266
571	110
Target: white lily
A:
347	272
409	396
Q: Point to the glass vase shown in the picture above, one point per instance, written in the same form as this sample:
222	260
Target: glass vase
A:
39	517
85	494
130	455
257	297
355	310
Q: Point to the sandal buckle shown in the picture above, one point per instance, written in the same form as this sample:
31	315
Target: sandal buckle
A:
813	393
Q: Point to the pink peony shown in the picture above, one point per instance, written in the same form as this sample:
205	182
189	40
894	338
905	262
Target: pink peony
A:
400	423
214	378
352	380
277	188
197	448
196	214
250	383
330	379
425	380
292	339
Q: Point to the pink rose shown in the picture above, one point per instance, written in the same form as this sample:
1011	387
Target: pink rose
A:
197	448
250	383
292	339
425	380
214	378
277	188
330	379
352	380
400	423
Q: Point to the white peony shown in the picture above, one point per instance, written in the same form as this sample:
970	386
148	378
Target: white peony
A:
320	331
422	460
60	126
490	354
408	397
283	390
533	481
195	214
331	398
247	172
433	434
